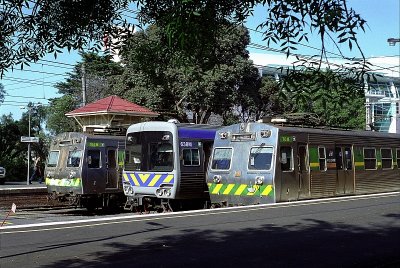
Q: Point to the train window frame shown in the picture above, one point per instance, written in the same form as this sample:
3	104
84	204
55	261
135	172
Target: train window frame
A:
249	166
386	160
57	161
398	157
291	164
191	157
230	160
322	158
80	158
370	158
89	159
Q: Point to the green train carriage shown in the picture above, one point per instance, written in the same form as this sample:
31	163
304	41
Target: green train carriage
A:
256	163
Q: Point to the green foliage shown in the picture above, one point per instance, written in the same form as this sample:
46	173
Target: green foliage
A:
99	71
29	29
174	84
56	121
337	100
12	151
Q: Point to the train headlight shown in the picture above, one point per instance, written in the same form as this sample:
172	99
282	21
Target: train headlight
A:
159	192
168	192
217	178
72	174
259	180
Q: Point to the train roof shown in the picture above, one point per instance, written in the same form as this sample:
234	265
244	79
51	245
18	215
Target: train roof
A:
325	130
66	135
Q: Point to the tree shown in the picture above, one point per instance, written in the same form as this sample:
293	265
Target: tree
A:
156	77
12	151
29	29
99	73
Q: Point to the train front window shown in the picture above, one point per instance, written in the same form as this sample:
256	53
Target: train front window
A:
74	158
133	152
53	159
222	158
161	156
260	158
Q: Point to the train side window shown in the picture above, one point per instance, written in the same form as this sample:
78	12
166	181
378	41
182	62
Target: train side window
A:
348	158
339	158
74	158
191	157
222	158
286	158
53	158
370	158
322	158
398	157
93	159
387	161
260	158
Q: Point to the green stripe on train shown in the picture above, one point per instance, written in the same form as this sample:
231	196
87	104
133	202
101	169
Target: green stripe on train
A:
74	182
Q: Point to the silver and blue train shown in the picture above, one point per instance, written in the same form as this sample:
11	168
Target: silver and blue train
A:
166	165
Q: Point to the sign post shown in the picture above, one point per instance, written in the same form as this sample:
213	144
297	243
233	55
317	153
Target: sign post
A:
29	140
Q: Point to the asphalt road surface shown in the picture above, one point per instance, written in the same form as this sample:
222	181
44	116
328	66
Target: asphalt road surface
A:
345	232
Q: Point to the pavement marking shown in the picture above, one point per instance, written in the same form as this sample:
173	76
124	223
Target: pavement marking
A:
172	215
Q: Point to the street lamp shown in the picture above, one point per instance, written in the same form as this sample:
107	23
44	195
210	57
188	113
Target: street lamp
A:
393	41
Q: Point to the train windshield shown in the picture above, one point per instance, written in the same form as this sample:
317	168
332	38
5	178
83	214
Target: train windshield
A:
149	151
222	158
53	158
260	158
74	158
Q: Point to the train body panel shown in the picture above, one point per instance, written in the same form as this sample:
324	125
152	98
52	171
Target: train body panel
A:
269	163
82	165
165	160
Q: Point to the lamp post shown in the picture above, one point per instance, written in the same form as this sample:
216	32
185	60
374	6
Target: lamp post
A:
28	108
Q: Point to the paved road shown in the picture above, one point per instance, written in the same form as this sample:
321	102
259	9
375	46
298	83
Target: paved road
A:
349	232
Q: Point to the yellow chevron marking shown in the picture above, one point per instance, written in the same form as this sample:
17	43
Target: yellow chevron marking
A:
144	177
135	181
169	178
126	177
267	190
217	188
154	180
256	189
229	188
240	189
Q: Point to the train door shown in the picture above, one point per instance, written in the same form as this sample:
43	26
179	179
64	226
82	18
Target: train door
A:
302	170
344	167
112	171
289	186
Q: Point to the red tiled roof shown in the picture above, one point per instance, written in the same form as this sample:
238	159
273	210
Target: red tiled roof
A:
112	104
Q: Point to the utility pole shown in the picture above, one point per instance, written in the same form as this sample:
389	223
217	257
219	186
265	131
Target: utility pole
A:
83	85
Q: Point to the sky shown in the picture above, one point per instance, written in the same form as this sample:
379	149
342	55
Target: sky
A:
36	83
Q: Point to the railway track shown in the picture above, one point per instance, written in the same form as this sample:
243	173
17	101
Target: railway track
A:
28	200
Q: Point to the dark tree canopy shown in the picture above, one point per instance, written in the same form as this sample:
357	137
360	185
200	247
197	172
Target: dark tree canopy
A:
30	29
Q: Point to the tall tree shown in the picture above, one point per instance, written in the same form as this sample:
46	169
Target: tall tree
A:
99	73
177	84
31	29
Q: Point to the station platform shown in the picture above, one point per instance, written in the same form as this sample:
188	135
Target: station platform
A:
22	188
